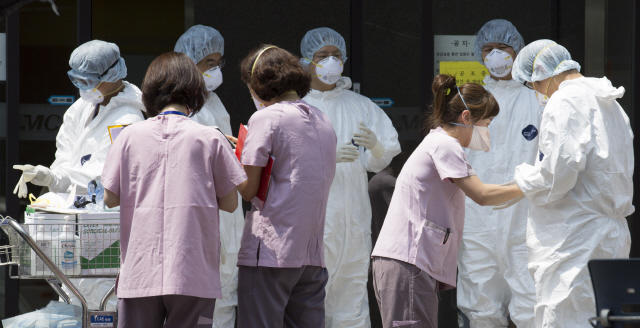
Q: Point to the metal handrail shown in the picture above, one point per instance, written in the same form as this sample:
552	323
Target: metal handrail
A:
605	319
107	296
54	284
54	269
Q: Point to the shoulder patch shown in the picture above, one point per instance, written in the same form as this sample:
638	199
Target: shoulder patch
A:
530	132
84	159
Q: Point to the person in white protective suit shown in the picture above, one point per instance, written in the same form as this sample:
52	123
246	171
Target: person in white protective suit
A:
205	46
367	141
83	140
580	187
493	281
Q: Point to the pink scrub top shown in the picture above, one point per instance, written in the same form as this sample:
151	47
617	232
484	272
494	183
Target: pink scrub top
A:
425	220
288	232
168	172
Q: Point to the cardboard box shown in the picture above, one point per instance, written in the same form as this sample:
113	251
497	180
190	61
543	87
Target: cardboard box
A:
100	242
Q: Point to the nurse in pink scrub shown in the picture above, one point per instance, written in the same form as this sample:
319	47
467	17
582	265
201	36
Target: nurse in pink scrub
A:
416	253
170	176
282	273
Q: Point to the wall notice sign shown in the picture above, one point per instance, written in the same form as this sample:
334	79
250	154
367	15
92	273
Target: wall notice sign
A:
3	56
453	48
465	71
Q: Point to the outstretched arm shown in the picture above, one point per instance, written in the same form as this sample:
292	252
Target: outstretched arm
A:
486	194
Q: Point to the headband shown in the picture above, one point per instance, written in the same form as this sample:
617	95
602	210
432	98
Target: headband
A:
256	61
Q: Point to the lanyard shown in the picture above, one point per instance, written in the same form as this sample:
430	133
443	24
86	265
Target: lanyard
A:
172	112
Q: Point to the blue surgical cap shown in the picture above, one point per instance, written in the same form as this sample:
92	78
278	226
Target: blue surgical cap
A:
318	38
99	58
200	41
541	60
501	31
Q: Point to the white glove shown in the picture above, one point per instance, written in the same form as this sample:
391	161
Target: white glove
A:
368	140
346	153
38	175
508	203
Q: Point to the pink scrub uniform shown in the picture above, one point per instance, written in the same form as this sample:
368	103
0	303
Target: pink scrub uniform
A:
282	273
168	172
425	221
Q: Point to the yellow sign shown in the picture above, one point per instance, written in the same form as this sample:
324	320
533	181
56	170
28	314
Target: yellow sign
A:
464	71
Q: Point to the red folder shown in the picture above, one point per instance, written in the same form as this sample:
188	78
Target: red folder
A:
242	136
265	179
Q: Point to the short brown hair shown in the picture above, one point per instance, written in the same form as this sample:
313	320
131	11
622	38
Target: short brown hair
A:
276	72
447	104
173	78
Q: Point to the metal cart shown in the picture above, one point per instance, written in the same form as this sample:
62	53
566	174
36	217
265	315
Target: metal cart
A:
56	252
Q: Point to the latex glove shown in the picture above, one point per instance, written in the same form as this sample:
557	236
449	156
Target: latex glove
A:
27	175
38	175
508	203
368	140
346	153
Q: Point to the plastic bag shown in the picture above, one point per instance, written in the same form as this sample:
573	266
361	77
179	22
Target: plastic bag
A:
47	317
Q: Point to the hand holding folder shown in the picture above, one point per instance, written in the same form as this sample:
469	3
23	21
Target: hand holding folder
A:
265	178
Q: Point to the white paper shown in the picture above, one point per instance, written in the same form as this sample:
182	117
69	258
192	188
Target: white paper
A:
453	48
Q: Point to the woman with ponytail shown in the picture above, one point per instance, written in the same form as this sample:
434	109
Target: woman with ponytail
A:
416	253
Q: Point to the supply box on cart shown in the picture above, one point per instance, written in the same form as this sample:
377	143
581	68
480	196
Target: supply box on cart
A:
98	236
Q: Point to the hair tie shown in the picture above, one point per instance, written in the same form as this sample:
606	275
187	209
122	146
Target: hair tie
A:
448	92
256	61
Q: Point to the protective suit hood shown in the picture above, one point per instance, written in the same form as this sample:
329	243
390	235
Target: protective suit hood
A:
508	85
130	96
344	83
601	88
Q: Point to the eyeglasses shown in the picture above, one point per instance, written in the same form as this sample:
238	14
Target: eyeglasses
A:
216	64
324	54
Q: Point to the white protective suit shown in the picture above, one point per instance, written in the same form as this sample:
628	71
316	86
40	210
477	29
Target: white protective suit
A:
213	113
347	233
82	146
580	191
493	280
83	142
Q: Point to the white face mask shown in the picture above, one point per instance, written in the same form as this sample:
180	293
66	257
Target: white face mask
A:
92	95
258	104
213	78
329	70
499	63
542	99
481	137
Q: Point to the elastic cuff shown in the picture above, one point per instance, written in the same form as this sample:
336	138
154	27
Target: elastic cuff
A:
46	180
377	151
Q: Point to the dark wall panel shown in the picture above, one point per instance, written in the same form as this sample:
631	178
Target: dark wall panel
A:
245	24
